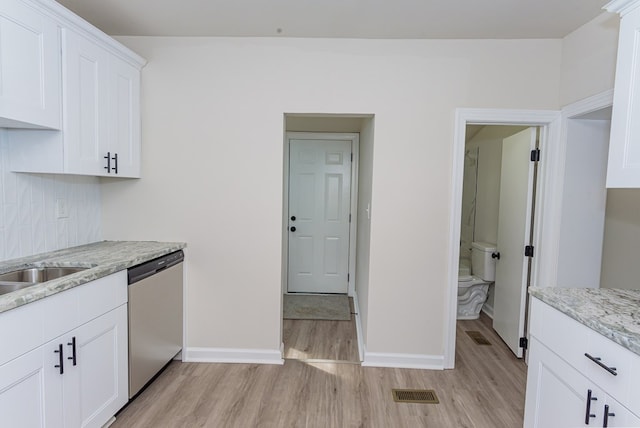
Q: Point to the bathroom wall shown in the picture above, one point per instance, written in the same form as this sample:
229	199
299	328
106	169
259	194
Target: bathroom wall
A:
469	185
28	221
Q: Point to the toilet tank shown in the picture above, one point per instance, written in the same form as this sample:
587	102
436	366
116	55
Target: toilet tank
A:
482	264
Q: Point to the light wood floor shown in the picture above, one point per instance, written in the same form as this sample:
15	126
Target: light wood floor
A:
486	390
321	340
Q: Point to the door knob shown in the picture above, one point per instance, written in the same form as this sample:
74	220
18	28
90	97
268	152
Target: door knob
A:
292	228
293	218
495	255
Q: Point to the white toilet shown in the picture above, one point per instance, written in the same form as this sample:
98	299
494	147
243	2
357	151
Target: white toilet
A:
473	284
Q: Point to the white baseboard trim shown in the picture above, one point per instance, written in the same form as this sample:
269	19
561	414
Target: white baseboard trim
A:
230	355
359	336
403	361
488	310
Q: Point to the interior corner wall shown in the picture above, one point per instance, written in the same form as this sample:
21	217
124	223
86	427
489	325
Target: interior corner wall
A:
589	59
365	187
621	244
212	167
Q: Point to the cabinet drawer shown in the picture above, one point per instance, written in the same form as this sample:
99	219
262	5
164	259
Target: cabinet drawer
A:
611	355
564	335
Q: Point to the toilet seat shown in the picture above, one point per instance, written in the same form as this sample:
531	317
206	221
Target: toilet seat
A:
465	278
467	281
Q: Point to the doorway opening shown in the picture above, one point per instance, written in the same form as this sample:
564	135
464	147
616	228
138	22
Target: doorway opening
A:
323	190
547	125
498	212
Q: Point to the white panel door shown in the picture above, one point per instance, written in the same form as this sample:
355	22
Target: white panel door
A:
86	86
124	118
319	205
96	387
624	150
30	88
514	222
31	391
557	394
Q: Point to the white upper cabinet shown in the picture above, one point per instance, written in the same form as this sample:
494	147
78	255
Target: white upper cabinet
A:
624	147
102	114
29	67
101	109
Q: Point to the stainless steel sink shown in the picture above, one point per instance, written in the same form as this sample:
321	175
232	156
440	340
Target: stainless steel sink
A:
19	279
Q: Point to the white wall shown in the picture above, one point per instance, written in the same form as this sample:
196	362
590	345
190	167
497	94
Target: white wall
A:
584	200
589	59
212	112
621	240
28	222
365	187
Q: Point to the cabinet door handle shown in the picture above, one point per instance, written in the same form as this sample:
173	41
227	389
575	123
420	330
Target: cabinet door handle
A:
115	163
589	415
60	364
108	158
598	361
73	350
605	422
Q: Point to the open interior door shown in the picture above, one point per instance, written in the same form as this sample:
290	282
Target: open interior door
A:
514	232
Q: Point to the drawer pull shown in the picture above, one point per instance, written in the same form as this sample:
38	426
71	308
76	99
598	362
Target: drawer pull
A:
605	422
596	360
589	415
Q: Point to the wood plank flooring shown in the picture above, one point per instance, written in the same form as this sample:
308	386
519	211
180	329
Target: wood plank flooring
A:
321	340
486	390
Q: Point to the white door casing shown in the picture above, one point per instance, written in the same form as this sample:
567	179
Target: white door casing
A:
514	228
318	215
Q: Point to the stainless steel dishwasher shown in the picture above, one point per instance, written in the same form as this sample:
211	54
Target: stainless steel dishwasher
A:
155	317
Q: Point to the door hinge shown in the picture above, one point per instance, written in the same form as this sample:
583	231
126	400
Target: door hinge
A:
535	155
528	251
349	218
351	157
348	277
524	343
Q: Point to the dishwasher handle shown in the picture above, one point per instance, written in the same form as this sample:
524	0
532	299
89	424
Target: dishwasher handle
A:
147	269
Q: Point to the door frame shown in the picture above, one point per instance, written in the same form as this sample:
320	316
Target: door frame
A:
547	218
355	149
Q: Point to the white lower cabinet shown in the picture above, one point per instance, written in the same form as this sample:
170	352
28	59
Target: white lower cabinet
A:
95	387
78	378
560	394
30	392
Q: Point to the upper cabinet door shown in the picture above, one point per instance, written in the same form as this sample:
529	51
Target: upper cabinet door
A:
124	118
85	100
29	68
624	147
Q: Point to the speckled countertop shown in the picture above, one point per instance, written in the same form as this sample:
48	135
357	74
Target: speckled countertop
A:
612	312
102	259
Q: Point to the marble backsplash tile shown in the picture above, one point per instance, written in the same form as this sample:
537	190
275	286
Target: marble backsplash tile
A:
28	220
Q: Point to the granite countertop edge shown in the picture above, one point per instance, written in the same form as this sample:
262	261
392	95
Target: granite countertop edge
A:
610	312
100	258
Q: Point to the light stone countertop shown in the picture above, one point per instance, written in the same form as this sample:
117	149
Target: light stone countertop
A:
614	313
102	259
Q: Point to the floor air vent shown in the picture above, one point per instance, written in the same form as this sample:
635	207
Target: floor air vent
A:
478	338
424	396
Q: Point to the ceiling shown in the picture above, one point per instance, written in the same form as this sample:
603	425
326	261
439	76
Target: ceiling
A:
394	19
